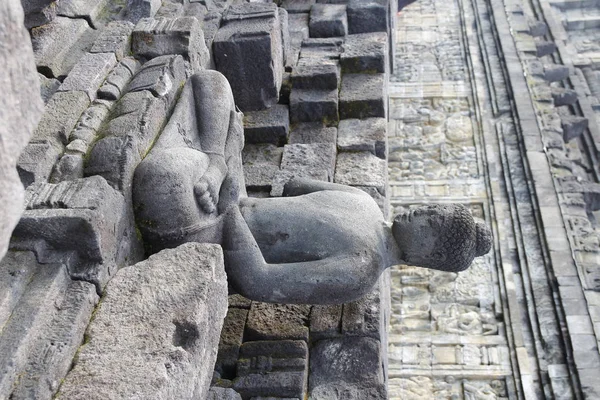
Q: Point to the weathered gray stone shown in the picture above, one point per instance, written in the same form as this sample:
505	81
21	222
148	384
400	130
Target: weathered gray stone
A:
346	365
368	16
268	126
164	344
365	53
325	322
37	161
285	37
20	109
313	132
361	169
89	123
555	73
563	97
89	74
364	317
69	167
38	342
161	36
138	9
328	20
275	384
573	126
265	357
297	6
90	10
217	393
320	49
538	28
239	301
56	45
170	10
363	96
277	322
286	89
232	335
117	80
162	76
248	51
314	106
298	24
38	12
316	156
261	164
363	135
48	87
318	76
115	38
544	48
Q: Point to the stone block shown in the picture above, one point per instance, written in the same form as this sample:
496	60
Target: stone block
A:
297	6
328	20
325	322
314	106
544	48
90	10
275	348
563	97
267	126
69	167
117	80
261	164
21	106
170	10
248	50
555	73
361	169
316	156
363	135
161	36
232	335
317	50
267	321
164	344
115	38
365	53
89	73
217	393
38	12
313	132
138	9
364	317
363	96
368	16
573	126
266	357
277	384
537	28
285	37
317	76
37	161
55	45
350	365
39	342
162	76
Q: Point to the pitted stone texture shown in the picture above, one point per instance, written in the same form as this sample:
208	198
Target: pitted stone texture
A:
314	106
138	9
324	75
38	342
232	335
21	107
154	336
328	20
346	368
55	45
320	49
563	97
573	126
361	169
368	16
38	12
170	10
161	36
261	164
267	321
363	135
555	73
48	86
364	317
89	73
363	96
248	50
90	10
313	132
365	53
325	322
297	6
267	126
115	38
217	393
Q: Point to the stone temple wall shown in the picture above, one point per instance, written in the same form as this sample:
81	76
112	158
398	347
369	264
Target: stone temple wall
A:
83	312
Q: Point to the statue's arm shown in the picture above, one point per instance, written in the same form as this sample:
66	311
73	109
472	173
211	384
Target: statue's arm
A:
332	280
300	186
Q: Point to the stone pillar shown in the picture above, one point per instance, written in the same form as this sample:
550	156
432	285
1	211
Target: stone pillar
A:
20	110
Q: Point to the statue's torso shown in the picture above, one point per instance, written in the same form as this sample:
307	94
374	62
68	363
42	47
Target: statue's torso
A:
315	226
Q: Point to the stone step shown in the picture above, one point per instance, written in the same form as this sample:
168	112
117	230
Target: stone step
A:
583	22
574	4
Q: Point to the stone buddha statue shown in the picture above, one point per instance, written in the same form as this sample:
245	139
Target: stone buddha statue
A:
321	243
